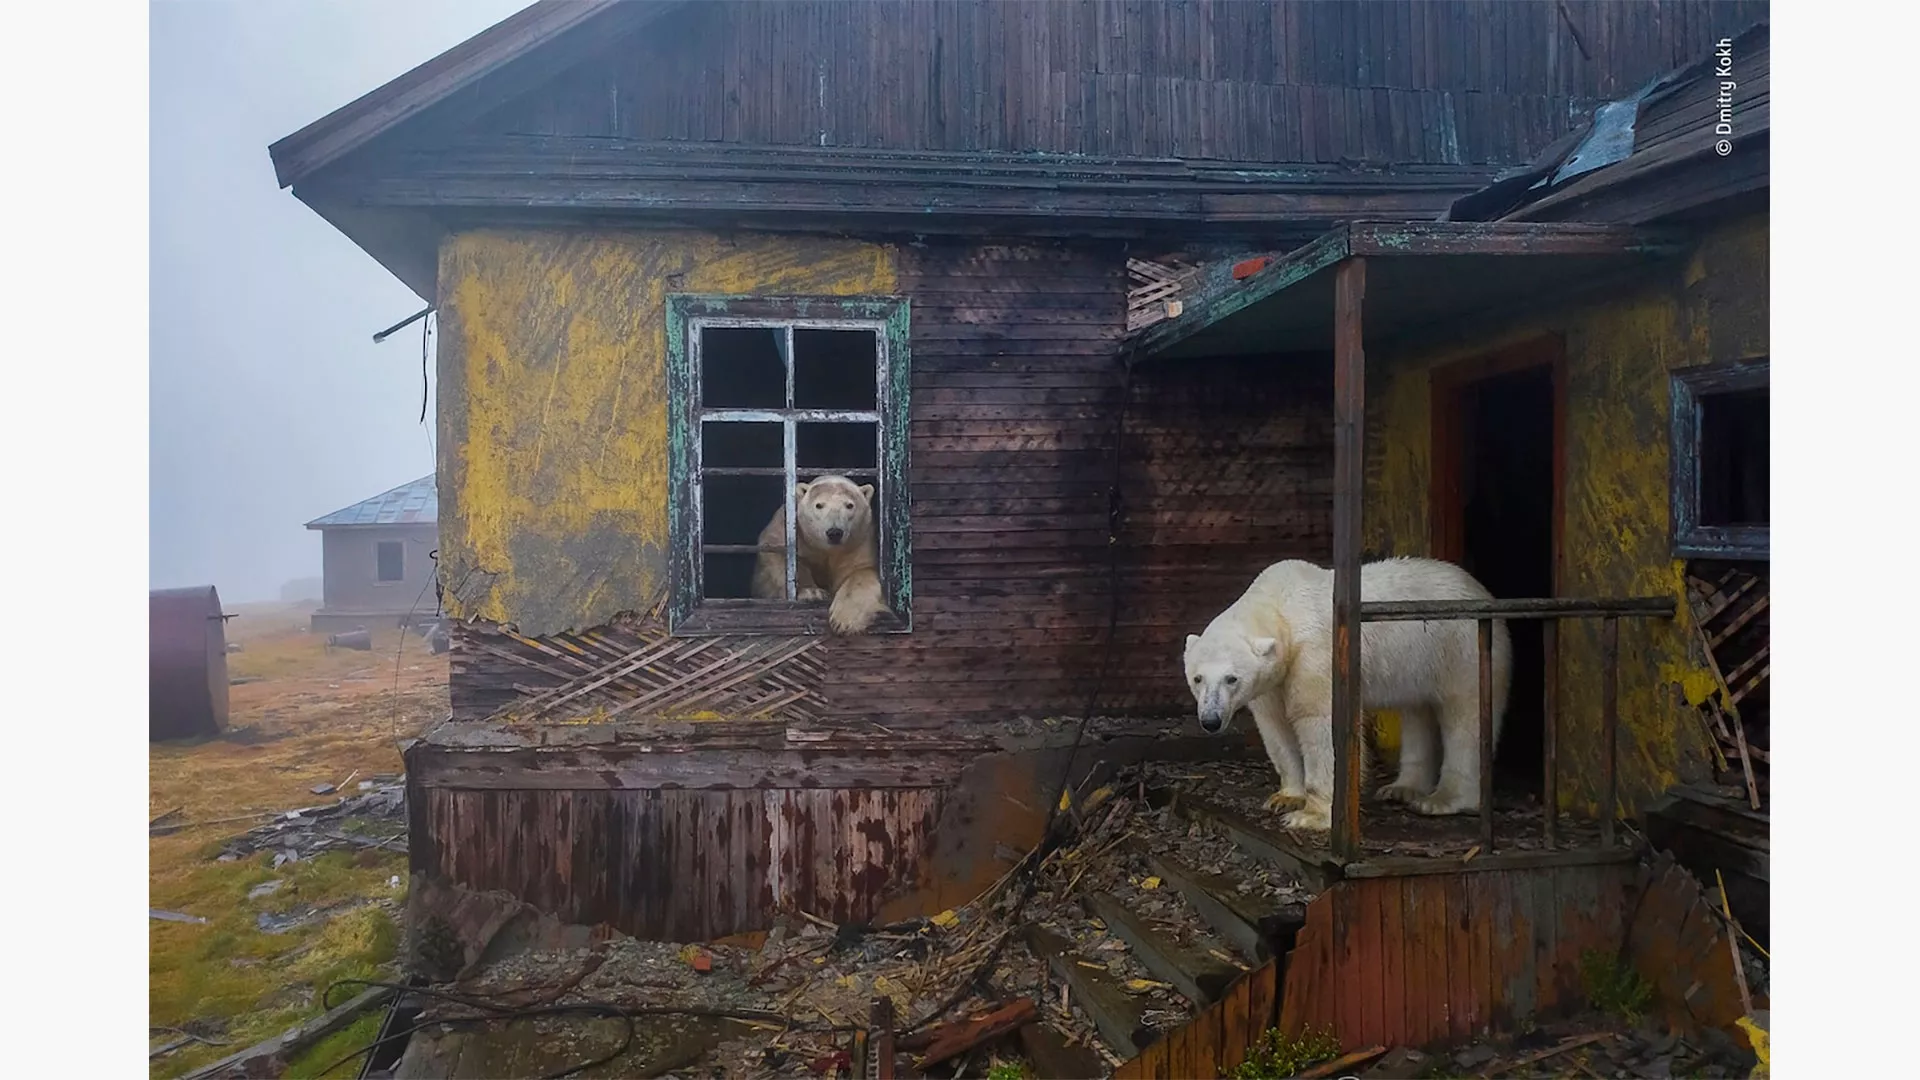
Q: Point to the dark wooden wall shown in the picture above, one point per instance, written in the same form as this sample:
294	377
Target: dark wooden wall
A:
1428	81
1226	468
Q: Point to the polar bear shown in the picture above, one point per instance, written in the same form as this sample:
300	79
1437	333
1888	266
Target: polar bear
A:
1271	653
837	557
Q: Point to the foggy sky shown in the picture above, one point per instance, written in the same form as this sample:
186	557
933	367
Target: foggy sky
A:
270	404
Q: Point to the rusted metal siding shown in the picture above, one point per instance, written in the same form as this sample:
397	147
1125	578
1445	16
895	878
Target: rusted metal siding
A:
186	663
1261	81
678	865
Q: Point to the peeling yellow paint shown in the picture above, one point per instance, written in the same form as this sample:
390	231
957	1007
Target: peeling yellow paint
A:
1615	532
553	470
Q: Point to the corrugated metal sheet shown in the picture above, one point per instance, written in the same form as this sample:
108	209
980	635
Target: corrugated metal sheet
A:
415	503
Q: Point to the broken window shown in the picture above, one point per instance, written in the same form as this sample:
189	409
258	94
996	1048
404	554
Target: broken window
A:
390	561
768	394
1720	461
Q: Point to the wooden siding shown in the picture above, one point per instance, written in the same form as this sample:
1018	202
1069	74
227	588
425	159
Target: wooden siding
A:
1259	81
1226	468
1439	959
678	865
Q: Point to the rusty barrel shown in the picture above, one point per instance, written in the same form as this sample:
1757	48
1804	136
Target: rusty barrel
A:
186	663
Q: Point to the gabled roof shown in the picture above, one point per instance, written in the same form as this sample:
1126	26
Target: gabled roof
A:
416	503
560	31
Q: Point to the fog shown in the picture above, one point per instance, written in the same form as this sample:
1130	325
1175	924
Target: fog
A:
270	403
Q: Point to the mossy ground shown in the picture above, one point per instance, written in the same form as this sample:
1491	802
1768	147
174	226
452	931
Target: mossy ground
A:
299	717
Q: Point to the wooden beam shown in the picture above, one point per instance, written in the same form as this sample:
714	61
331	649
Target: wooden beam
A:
295	1039
1119	1017
1199	977
1531	608
1506	238
1349	478
1315	868
1222	909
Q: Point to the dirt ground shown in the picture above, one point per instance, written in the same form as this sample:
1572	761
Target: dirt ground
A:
275	937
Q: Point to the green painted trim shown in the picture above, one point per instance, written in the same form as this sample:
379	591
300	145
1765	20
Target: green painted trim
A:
683	558
896	554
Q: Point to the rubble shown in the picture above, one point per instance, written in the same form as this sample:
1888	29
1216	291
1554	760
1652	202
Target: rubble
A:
376	818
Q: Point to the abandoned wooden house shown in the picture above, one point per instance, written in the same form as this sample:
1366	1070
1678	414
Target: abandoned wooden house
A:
1112	305
376	563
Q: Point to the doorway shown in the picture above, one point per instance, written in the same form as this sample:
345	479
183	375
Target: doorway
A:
1497	457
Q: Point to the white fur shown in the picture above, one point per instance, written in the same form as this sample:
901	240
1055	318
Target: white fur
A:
1271	653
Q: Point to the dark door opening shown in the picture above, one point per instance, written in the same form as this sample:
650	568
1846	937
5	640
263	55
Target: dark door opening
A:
1506	489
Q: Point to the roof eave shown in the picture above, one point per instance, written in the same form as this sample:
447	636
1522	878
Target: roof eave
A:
458	71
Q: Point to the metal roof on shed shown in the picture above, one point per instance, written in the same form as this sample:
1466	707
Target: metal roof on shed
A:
416	503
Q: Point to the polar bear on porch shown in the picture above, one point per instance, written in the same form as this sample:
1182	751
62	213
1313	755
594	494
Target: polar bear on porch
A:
1271	653
837	560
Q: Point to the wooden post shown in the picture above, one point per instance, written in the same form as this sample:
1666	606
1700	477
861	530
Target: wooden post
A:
1349	428
1550	768
1486	735
1609	726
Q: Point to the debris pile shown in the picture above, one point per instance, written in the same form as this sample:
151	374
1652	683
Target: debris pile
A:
373	818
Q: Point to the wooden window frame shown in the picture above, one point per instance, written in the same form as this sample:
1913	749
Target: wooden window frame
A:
377	579
689	613
1690	388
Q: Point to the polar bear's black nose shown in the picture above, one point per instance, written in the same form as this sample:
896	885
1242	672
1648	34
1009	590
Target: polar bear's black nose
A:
834	536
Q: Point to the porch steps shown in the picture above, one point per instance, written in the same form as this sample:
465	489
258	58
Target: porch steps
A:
1196	932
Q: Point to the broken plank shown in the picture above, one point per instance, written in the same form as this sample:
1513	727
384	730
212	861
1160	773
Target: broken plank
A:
1213	897
1318	869
952	1040
1341	1064
1200	978
294	1039
1117	1015
1052	1058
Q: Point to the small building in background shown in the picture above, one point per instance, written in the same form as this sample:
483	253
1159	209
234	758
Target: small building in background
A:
377	559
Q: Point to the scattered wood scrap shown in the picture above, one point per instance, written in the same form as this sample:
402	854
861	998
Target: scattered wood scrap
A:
948	1041
1341	1064
293	1040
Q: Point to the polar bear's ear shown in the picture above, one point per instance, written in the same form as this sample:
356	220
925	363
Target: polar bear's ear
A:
1192	640
1263	646
800	489
866	492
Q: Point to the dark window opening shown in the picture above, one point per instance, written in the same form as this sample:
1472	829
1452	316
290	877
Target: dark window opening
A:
743	367
1507	489
1720	453
769	402
1733	458
390	561
835	369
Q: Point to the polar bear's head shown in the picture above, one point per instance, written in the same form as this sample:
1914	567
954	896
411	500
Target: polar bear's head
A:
1227	670
834	511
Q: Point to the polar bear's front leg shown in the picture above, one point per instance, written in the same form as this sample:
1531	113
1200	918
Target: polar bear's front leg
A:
1419	751
805	588
1283	749
1314	731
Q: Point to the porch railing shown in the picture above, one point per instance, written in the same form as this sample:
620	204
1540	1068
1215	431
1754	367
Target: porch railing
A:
1485	612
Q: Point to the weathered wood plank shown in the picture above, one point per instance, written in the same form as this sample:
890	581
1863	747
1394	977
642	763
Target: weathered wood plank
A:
1199	977
1117	1015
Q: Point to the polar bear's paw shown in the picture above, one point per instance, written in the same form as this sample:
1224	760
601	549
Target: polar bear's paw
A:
1316	816
1400	792
1283	800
